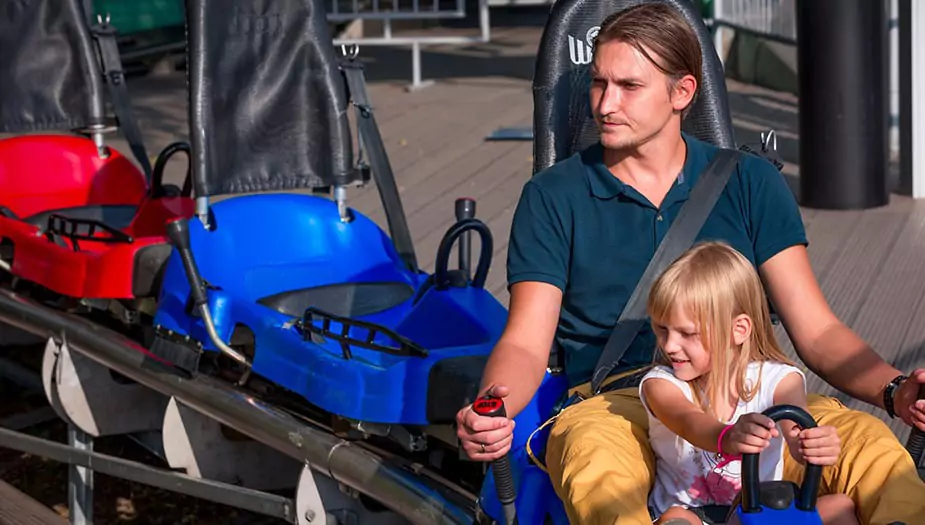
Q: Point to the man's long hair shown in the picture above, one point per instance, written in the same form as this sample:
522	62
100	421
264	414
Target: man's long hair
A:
659	29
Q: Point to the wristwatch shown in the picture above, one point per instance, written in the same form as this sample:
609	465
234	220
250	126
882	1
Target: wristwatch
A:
889	392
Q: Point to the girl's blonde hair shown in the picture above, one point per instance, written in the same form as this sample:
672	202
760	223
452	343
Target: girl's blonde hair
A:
714	283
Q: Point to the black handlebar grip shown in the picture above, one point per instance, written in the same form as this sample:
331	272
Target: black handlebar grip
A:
465	209
490	406
812	476
178	233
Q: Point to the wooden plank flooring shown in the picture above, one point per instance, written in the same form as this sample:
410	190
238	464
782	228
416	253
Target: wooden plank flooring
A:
866	261
17	508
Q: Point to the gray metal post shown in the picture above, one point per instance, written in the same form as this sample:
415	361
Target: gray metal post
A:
80	480
911	66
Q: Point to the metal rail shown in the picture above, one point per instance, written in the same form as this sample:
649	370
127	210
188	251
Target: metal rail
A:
400	490
415	12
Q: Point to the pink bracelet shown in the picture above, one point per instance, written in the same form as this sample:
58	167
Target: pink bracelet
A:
719	447
719	442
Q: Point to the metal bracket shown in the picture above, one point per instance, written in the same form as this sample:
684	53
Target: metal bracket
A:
769	139
202	448
86	395
354	50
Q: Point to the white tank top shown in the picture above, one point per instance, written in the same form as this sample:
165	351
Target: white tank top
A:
687	476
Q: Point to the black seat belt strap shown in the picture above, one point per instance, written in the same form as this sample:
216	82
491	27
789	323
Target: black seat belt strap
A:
680	238
105	35
371	142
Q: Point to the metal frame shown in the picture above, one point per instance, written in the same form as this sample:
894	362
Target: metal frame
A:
363	12
78	378
771	19
413	494
84	462
417	41
394	11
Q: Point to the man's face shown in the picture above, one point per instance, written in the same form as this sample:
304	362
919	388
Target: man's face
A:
632	101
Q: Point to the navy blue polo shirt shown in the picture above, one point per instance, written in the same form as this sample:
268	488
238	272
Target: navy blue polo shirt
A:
581	229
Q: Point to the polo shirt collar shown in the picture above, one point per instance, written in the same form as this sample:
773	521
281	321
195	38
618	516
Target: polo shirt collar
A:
605	186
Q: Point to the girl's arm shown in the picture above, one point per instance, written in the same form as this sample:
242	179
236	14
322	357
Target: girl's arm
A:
791	391
675	411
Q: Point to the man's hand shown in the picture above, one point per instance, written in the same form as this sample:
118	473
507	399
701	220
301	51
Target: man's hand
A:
817	445
751	434
906	401
485	438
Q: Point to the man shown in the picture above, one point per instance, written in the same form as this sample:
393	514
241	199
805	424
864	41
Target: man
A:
582	235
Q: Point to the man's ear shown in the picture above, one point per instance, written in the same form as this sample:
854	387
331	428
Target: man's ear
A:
741	328
682	92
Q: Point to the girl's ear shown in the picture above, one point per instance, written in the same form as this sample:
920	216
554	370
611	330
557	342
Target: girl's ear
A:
741	329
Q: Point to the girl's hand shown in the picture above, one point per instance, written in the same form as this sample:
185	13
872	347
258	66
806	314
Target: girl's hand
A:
817	446
751	434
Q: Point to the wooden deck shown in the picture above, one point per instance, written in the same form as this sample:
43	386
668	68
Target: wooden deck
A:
866	261
17	508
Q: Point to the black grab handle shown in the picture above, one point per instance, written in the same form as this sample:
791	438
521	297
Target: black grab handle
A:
812	477
157	178
441	274
490	406
178	233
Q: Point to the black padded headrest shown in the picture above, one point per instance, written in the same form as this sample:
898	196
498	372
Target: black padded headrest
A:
268	102
562	120
50	76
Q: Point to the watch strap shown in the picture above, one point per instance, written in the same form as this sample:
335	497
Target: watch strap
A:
888	393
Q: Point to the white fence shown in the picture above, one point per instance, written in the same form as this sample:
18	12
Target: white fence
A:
773	19
385	11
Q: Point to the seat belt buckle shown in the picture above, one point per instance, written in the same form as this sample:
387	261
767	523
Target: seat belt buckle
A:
573	399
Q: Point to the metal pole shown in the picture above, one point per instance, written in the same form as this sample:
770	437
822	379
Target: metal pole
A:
80	480
416	64
911	108
843	106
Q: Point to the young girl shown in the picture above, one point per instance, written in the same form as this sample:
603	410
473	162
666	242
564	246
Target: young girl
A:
719	367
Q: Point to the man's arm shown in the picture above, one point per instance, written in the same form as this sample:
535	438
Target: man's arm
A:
825	344
520	357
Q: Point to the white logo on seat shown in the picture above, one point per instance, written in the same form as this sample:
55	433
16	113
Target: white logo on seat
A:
580	52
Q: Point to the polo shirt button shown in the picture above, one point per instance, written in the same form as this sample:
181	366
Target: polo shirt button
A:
659	217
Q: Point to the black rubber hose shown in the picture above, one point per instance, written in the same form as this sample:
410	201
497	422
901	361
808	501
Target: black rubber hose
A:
178	233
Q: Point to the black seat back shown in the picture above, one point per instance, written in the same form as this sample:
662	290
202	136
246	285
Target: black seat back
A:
562	119
49	71
268	102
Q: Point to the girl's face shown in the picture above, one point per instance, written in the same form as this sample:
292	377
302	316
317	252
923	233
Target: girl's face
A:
679	338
